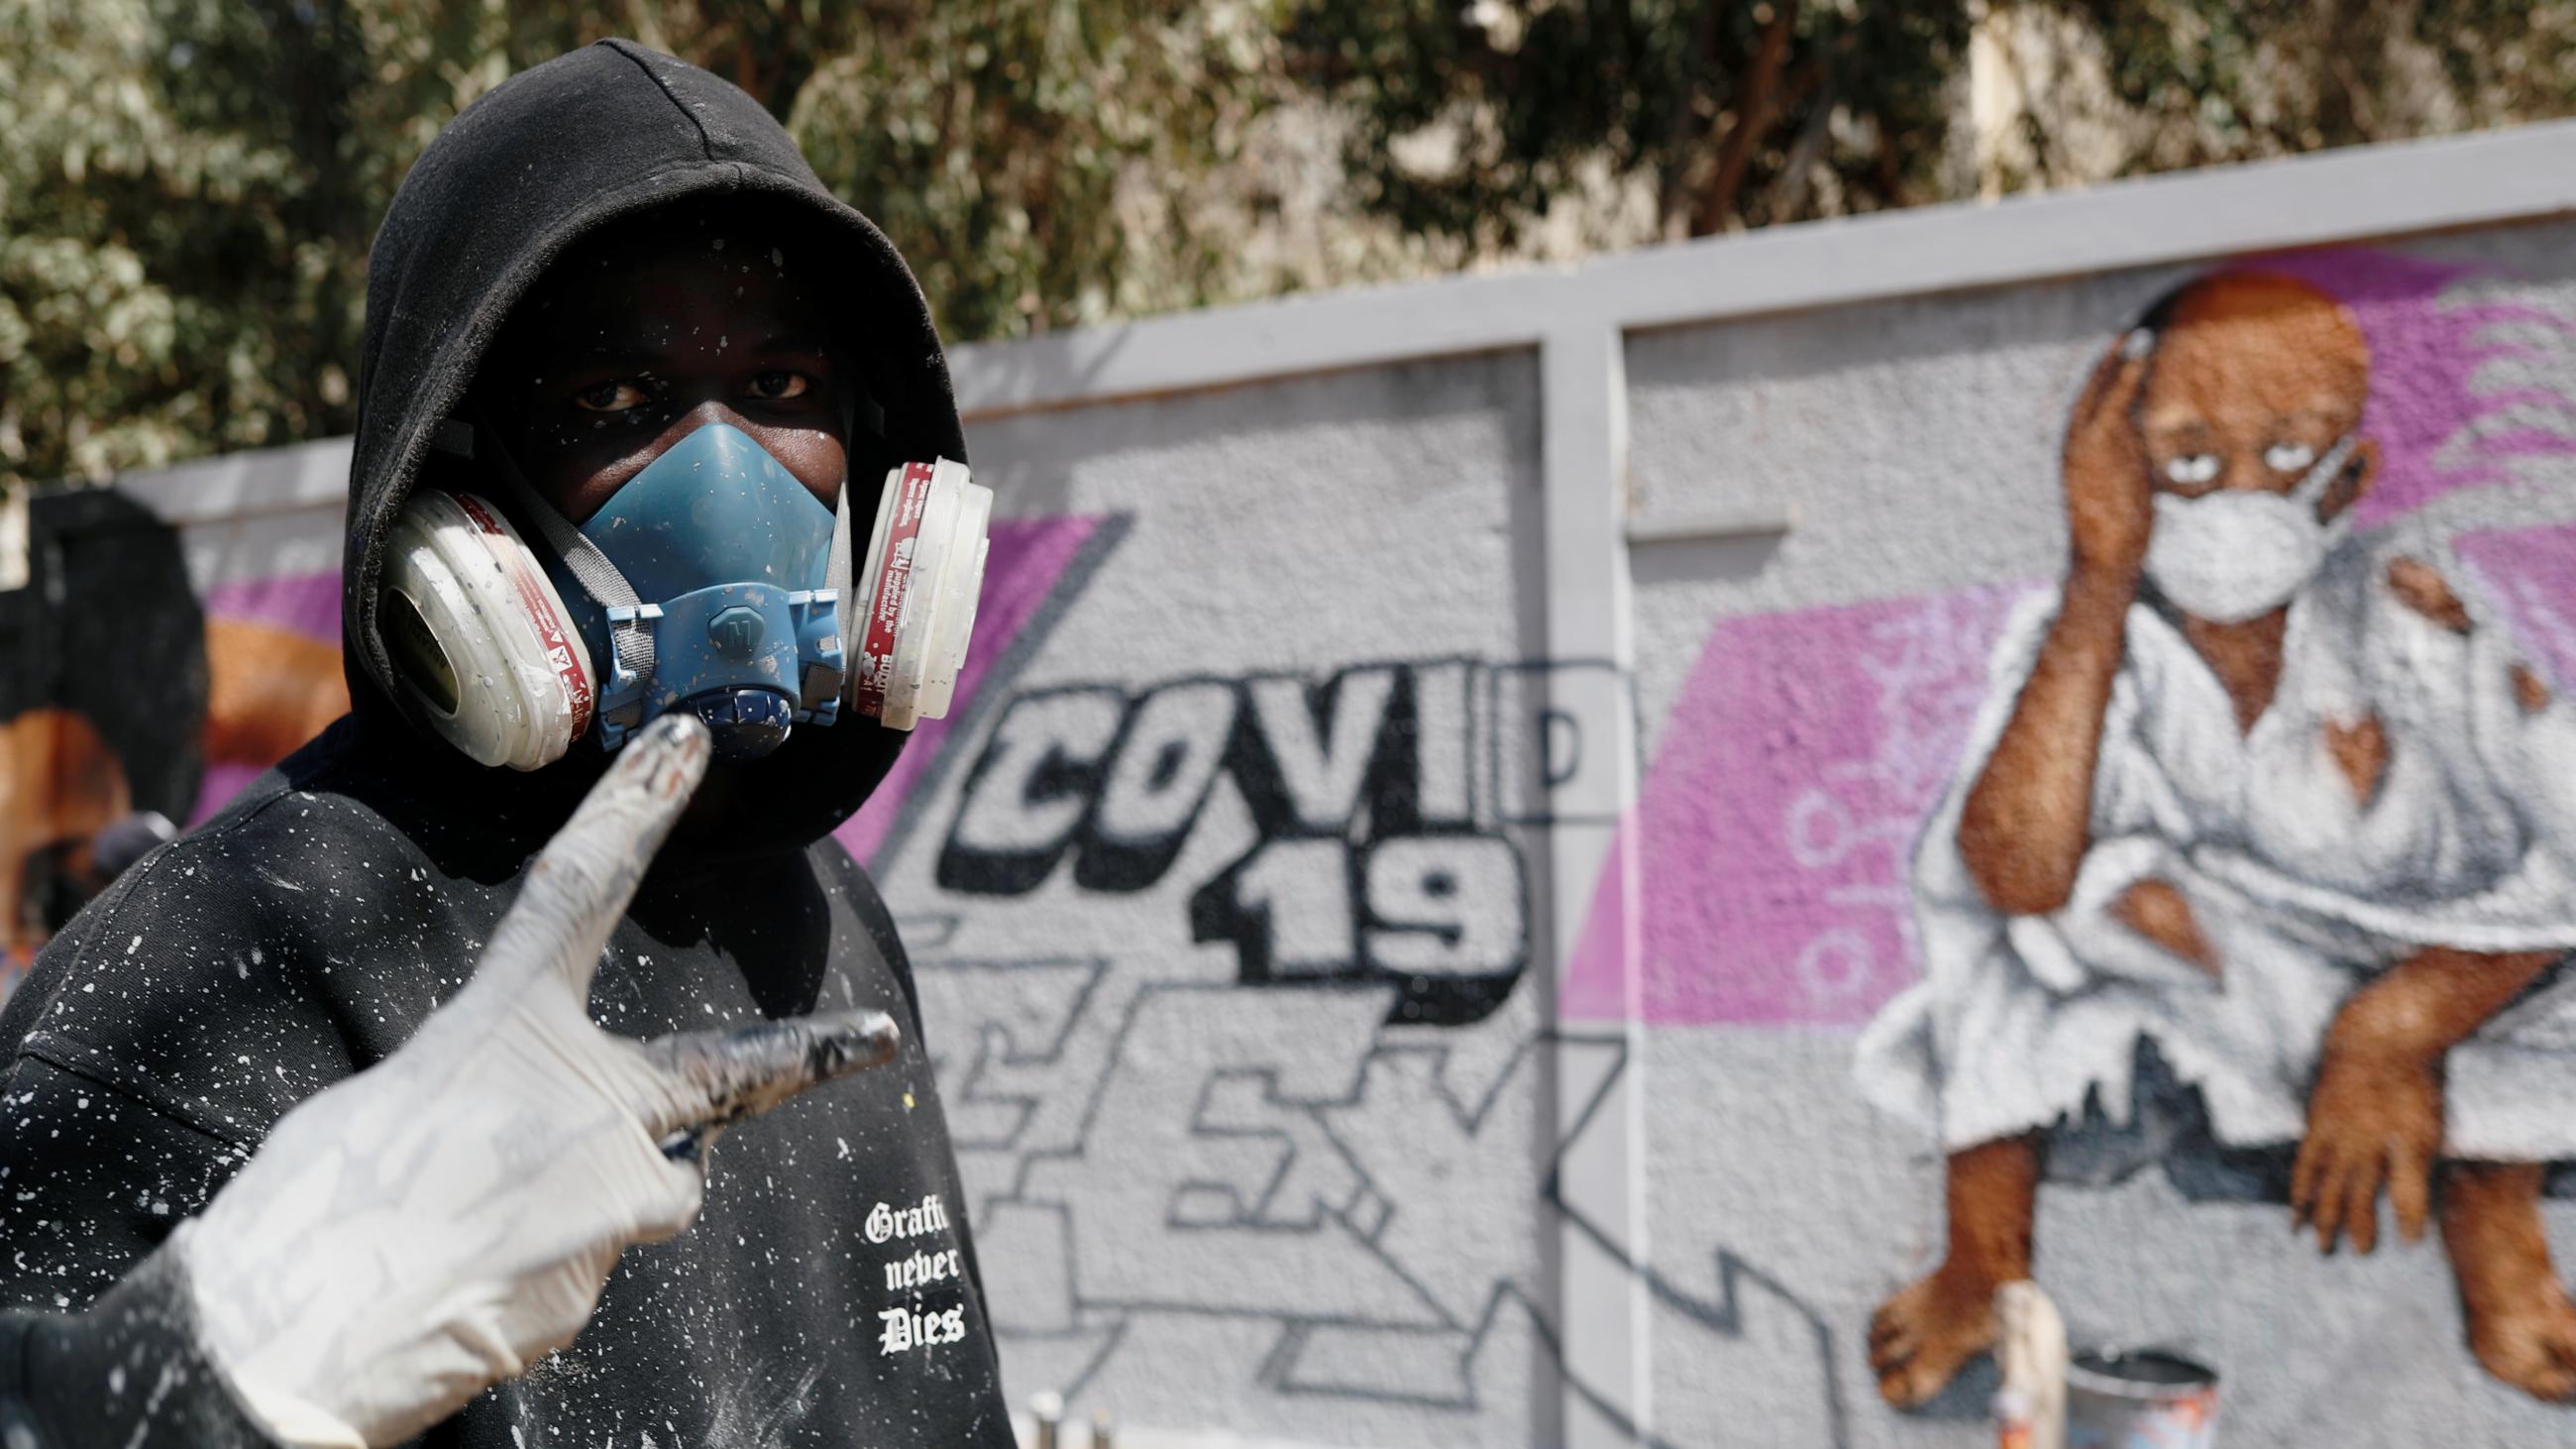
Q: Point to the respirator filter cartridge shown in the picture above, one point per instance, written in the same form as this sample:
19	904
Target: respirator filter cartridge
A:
923	571
480	639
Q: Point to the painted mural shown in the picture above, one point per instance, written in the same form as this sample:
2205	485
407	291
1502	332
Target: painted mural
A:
2244	851
129	708
2098	915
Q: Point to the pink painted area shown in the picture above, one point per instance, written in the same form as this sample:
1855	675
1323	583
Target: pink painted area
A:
2529	574
308	604
217	787
2430	329
1027	559
1776	821
1774	825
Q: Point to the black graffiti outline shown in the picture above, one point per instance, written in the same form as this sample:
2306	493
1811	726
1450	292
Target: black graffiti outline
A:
1217	912
972	870
1108	1319
1541	812
993	691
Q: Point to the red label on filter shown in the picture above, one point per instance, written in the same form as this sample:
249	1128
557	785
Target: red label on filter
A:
552	631
885	606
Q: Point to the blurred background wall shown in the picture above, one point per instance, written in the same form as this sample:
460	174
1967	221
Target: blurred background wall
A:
1428	816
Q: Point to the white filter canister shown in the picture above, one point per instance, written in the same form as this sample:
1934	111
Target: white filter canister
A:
918	592
481	642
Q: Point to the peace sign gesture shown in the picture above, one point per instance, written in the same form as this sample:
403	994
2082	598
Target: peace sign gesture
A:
434	1223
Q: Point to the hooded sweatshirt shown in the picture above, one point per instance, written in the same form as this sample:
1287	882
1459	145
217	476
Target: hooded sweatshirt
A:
828	1294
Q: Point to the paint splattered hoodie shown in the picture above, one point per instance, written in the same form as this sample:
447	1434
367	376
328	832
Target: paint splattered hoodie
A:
306	931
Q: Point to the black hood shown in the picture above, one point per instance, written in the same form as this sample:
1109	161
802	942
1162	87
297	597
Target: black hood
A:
523	175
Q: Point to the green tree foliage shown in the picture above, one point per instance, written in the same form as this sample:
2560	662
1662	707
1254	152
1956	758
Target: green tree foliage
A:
190	185
1473	119
2212	82
1730	114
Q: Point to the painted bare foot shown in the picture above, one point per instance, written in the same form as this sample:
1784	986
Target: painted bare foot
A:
2521	1325
2529	1340
2374	1122
1921	1338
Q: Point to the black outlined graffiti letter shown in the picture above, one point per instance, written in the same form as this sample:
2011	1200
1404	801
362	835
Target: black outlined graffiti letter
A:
1448	922
1029	789
1304	756
1286	906
1167	757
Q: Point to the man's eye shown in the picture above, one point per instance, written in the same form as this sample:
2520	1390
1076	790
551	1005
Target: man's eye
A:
777	385
609	397
2192	468
2288	457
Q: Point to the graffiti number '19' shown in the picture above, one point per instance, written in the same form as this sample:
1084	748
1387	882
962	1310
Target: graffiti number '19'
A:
1370	868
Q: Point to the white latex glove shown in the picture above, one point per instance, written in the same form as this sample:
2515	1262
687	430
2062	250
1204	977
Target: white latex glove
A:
431	1225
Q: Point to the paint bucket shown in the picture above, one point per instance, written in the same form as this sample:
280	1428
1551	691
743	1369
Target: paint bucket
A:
2143	1399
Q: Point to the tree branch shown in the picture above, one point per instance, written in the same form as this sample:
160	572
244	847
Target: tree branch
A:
1752	118
1676	166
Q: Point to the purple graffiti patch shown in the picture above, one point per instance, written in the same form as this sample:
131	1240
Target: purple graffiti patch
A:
1775	825
2530	575
307	604
1027	557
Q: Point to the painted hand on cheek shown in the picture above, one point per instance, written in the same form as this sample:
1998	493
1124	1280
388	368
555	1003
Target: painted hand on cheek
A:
2109	495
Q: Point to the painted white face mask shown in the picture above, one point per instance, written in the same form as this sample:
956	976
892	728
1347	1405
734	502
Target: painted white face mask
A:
2230	555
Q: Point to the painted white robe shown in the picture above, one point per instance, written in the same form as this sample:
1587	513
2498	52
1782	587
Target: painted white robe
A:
2302	891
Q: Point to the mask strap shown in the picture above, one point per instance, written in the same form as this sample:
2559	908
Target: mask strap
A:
627	631
840	571
845	586
2311	490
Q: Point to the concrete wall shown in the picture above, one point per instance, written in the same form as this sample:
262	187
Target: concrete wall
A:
1435	810
1806	702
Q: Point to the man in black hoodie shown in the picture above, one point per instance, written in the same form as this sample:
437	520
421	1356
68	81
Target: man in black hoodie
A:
306	931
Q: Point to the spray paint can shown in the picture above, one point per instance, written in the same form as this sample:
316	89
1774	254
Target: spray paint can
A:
2143	1399
2030	1348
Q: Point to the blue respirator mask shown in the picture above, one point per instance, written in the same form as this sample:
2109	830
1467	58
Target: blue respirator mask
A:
712	583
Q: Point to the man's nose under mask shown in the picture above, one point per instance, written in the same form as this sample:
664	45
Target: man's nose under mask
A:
2232	555
728	560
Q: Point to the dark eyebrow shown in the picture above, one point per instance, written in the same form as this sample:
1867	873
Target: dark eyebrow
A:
610	354
803	344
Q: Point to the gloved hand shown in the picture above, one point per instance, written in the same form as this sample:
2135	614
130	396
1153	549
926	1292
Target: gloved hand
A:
433	1224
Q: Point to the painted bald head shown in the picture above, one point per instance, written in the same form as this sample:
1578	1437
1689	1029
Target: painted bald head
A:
2255	377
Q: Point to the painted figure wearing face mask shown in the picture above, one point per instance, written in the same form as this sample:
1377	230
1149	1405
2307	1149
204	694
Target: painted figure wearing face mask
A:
2231	554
